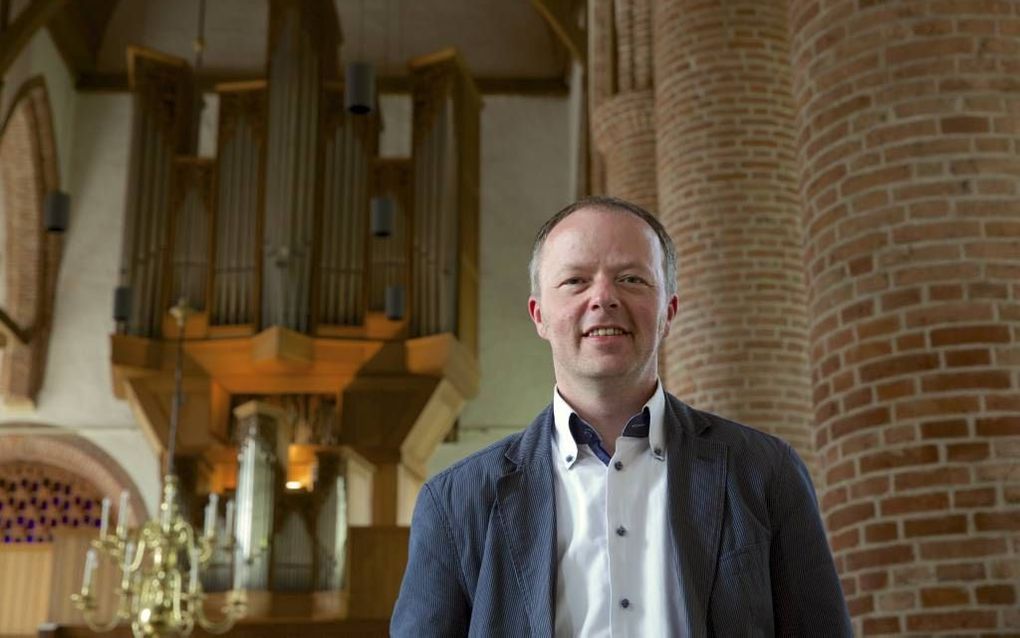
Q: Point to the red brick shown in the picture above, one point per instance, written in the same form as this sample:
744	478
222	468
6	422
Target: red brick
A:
944	429
970	334
944	597
929	478
860	421
967	452
937	526
983	379
896	389
916	503
871	486
881	533
877	626
972	548
978	497
998	521
901	364
873	580
967	358
849	515
960	571
888	460
870	558
964	124
936	406
996	594
998	426
951	620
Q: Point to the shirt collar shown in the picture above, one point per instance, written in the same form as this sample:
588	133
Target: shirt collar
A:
656	406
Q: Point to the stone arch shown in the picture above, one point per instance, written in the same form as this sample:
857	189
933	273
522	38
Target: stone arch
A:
78	456
28	170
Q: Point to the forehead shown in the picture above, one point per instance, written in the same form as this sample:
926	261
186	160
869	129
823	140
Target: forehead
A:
603	236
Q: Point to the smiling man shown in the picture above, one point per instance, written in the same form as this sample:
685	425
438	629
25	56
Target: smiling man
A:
620	511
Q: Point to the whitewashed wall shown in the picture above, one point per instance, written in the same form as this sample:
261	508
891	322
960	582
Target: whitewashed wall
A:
92	134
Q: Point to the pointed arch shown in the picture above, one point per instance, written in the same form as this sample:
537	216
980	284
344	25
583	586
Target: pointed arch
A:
28	170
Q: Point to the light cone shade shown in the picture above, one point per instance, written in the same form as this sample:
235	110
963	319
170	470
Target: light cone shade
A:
56	211
359	88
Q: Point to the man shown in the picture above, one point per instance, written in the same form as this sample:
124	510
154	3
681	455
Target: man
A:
619	511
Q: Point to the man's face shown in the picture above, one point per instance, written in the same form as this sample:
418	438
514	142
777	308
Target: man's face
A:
602	303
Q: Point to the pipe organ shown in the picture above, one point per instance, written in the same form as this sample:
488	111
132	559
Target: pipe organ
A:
239	166
320	356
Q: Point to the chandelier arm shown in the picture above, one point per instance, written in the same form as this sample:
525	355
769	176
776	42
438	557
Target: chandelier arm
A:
233	609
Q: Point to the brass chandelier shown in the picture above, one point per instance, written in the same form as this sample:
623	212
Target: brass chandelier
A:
159	593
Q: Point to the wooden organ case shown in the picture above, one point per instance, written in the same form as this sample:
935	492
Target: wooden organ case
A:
294	375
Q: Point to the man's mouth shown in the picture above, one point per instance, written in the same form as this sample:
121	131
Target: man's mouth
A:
606	332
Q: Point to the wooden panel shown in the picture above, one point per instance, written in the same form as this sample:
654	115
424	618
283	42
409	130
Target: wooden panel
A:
377	562
69	548
25	586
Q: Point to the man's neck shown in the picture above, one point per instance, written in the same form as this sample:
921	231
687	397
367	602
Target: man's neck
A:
607	410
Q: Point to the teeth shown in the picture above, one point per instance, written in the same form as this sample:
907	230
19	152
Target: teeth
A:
605	332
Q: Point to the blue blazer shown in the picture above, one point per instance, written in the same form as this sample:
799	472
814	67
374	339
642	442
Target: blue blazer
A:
752	556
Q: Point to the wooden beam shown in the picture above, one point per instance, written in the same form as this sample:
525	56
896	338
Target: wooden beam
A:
547	86
562	18
30	20
77	31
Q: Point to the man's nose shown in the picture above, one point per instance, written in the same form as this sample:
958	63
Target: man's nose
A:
603	294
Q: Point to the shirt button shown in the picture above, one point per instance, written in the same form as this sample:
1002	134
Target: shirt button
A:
618	465
569	459
621	531
625	603
657	451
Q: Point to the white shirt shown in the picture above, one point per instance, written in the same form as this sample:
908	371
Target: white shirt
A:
617	571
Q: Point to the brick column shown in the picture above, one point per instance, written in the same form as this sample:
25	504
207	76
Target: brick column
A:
908	131
622	117
624	132
728	195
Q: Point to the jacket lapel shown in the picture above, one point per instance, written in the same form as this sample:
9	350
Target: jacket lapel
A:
527	515
696	475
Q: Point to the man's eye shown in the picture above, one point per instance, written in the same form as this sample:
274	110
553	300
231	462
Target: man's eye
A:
632	279
572	281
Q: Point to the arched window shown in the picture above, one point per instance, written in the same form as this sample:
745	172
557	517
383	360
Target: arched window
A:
31	258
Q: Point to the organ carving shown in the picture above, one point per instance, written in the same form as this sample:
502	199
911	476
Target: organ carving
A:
308	408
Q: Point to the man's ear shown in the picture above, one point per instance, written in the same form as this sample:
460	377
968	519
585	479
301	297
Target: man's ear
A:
671	307
535	312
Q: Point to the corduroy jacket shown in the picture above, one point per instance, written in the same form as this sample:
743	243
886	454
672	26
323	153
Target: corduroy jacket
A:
751	552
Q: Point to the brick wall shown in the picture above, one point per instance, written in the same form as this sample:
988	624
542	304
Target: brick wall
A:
908	135
727	188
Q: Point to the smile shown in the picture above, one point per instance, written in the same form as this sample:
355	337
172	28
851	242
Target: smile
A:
605	332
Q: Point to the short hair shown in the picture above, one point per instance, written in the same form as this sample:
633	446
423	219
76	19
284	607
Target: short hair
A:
610	204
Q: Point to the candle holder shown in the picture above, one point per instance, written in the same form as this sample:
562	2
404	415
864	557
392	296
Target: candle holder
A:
152	594
158	594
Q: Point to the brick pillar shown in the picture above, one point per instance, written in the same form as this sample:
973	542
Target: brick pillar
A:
622	117
728	196
909	128
624	132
